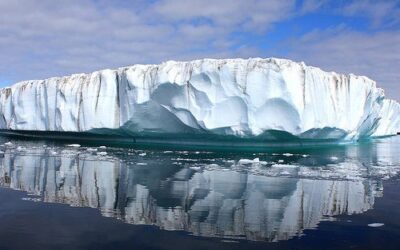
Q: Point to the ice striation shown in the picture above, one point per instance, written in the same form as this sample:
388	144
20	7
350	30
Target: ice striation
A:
244	98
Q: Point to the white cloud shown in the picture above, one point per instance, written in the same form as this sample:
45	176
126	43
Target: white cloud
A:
379	12
246	14
342	50
44	38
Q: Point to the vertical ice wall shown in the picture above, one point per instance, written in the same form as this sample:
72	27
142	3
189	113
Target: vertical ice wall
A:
245	98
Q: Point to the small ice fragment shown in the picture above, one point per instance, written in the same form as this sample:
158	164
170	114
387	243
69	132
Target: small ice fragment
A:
245	161
8	144
230	241
334	158
91	149
73	145
376	224
102	153
20	148
305	156
141	163
284	166
142	154
31	199
53	152
287	154
102	147
280	161
256	160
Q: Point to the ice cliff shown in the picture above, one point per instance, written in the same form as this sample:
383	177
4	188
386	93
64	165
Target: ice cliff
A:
250	98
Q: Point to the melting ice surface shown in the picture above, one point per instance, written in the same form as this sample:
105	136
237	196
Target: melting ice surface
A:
268	196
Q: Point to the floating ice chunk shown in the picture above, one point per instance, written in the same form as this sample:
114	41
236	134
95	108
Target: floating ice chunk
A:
8	144
248	161
141	163
102	153
142	154
376	224
31	199
21	148
255	161
245	161
284	166
334	158
287	154
74	145
280	161
102	147
92	150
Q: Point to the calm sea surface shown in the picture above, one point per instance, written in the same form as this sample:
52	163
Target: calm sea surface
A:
57	196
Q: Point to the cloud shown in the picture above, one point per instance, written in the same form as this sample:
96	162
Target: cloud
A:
344	50
385	12
243	14
45	38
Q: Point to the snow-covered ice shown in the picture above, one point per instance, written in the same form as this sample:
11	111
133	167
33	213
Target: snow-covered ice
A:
240	97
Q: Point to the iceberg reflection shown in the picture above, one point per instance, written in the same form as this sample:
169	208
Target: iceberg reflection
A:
259	200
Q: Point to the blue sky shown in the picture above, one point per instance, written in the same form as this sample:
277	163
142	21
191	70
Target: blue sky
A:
44	38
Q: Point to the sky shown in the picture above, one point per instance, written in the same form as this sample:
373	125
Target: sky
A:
45	38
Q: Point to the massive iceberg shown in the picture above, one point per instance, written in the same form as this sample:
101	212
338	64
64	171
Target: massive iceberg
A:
235	98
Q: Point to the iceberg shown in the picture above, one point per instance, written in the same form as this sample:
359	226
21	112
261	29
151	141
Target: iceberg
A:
223	98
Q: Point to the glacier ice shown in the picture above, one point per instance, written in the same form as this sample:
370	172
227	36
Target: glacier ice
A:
240	98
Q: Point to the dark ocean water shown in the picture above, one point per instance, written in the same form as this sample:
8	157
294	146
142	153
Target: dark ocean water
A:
57	196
